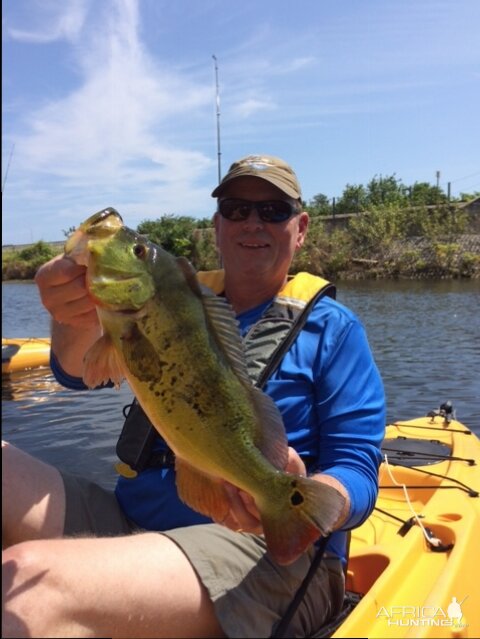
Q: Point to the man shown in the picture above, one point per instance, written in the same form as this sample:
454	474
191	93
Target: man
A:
198	578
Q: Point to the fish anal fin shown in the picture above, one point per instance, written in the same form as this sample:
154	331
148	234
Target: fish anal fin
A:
202	492
102	364
311	511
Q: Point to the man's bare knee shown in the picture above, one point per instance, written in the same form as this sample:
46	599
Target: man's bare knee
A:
52	588
29	602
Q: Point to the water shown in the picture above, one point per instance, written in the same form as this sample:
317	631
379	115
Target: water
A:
74	430
425	337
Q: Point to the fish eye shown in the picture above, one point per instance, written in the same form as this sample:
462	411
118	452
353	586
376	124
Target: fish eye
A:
140	251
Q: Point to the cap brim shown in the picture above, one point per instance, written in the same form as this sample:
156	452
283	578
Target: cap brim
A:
217	192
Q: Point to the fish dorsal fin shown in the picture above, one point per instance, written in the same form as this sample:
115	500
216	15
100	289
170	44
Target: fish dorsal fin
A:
226	328
222	318
190	275
271	437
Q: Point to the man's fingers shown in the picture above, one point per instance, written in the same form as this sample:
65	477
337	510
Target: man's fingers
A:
244	514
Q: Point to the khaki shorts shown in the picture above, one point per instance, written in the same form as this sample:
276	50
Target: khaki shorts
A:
92	510
249	591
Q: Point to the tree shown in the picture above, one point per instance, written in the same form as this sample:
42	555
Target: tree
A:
425	194
319	205
69	231
352	200
466	197
174	233
385	191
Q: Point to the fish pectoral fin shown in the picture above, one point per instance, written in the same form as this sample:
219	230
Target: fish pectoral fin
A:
102	364
202	492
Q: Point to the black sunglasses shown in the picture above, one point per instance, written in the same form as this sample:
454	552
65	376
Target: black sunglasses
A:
272	211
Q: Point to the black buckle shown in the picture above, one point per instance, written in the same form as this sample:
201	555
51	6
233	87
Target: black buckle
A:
162	459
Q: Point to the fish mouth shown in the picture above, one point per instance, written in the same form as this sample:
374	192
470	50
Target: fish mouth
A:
107	278
103	224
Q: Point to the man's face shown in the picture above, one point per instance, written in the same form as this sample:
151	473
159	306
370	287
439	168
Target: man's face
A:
253	247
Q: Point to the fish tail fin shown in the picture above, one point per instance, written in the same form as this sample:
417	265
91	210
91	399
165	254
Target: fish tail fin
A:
304	510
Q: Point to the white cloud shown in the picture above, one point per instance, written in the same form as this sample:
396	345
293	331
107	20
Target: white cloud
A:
296	64
112	140
56	21
117	118
252	106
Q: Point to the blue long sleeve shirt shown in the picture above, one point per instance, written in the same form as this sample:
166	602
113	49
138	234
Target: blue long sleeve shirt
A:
331	398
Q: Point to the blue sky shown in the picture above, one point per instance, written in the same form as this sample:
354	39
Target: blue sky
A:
112	102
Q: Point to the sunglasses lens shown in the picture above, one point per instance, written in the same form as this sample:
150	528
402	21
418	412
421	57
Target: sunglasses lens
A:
234	210
275	211
272	211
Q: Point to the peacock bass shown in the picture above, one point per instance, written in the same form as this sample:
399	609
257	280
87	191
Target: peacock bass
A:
179	348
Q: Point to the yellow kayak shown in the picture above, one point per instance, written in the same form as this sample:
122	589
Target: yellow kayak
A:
413	568
23	353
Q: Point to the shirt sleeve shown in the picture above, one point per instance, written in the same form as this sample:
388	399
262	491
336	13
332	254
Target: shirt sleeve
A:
69	381
350	404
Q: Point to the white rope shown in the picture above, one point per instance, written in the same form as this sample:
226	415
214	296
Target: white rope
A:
432	540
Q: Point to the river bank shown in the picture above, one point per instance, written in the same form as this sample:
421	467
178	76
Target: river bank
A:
331	256
417	258
339	256
381	244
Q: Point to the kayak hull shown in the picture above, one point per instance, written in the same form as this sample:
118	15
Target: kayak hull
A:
25	353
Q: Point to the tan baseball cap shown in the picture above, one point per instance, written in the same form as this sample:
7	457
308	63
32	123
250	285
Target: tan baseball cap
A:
266	167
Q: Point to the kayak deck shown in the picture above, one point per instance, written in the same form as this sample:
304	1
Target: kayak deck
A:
408	579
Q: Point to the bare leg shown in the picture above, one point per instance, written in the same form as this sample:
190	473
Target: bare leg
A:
137	586
33	498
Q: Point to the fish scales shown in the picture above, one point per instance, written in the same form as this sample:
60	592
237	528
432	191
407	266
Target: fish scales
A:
179	348
186	365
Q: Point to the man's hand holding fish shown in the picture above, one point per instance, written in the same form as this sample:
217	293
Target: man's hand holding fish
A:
244	515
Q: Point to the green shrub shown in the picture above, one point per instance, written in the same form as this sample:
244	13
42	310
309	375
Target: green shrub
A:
22	265
39	252
173	233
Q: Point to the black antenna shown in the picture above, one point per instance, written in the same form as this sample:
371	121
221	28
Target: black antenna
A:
218	119
6	170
